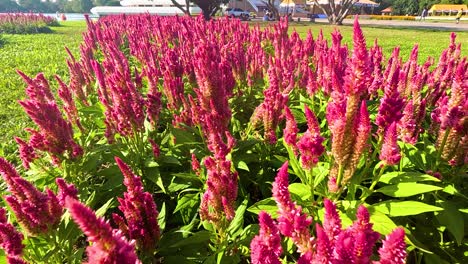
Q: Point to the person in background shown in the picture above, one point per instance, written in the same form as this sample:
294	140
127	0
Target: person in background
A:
423	14
459	15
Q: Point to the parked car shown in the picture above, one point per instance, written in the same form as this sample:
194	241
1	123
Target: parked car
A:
236	12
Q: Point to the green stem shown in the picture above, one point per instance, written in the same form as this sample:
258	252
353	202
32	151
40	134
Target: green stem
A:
340	175
374	154
310	178
376	179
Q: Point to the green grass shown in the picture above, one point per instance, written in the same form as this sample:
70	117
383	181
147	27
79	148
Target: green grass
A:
31	54
45	53
431	42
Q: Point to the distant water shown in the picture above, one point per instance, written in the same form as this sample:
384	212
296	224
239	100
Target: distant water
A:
71	16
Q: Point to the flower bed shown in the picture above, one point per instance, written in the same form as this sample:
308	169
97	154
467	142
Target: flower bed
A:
26	23
175	129
381	17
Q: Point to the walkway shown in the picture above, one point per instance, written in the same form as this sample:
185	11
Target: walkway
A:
463	26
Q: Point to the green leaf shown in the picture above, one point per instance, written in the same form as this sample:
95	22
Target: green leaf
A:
182	136
188	200
403	208
406	189
450	189
398	177
453	220
268	205
162	217
101	211
464	210
300	190
243	166
382	223
197	238
238	221
433	259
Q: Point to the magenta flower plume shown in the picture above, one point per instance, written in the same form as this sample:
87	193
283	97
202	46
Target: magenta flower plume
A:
359	73
27	153
139	211
155	148
37	212
270	111
195	164
391	104
310	145
109	246
10	239
324	249
265	248
364	237
221	192
332	225
393	250
55	134
407	128
291	221
68	103
290	131
390	152
65	190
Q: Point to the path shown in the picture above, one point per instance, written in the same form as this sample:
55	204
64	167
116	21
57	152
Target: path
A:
463	26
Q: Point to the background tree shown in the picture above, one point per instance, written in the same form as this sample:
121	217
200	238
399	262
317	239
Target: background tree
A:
208	7
9	6
336	11
271	6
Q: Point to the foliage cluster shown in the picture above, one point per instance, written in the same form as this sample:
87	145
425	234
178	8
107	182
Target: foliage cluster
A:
198	116
26	23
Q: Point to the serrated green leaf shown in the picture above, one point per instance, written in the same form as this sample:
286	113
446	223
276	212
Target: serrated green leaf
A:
406	189
268	205
398	177
403	208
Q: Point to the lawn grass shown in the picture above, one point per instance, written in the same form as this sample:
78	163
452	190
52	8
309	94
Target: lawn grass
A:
431	41
45	53
31	54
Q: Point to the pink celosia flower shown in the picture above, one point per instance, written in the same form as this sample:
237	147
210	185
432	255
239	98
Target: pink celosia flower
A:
155	148
332	225
291	221
310	145
195	164
290	131
391	104
221	192
139	211
265	248
364	237
65	190
37	212
10	238
393	250
55	134
390	152
109	246
27	153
